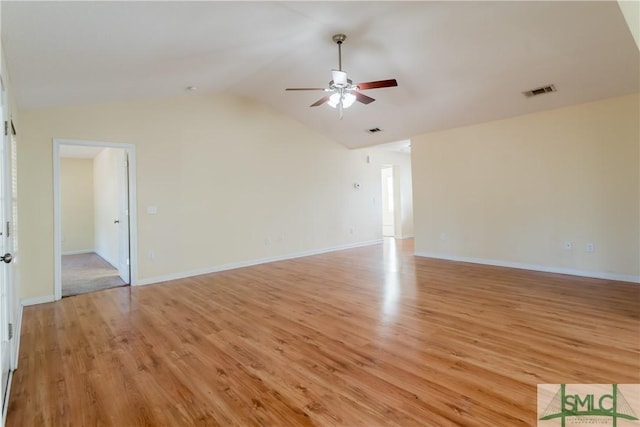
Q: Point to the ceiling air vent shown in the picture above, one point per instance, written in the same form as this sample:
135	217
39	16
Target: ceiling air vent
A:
540	91
374	130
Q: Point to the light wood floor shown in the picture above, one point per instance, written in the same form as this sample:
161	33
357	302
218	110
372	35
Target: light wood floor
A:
365	337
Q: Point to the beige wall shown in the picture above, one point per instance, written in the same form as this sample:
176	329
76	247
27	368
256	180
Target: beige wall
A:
107	193
515	190
233	181
76	204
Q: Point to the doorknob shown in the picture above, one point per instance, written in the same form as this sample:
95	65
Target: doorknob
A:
7	257
117	221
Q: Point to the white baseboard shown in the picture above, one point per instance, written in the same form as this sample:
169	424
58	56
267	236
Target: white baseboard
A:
234	265
524	266
38	300
87	251
406	236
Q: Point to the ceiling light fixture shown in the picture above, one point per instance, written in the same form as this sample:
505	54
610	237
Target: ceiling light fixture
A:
347	99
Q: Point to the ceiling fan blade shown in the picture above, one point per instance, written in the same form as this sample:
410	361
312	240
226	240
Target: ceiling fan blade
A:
361	97
306	88
320	101
378	84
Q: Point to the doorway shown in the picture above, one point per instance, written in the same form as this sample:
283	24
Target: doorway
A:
94	209
388	202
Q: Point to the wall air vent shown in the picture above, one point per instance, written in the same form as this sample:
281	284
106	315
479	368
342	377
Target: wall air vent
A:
540	91
374	130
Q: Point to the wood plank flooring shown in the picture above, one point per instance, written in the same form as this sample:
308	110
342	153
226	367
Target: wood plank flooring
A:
371	336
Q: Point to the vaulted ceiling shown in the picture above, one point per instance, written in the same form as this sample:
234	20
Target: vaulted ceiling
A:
456	63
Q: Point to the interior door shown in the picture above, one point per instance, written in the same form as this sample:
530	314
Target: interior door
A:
123	218
6	290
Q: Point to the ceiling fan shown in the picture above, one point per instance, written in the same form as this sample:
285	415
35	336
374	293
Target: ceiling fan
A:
343	92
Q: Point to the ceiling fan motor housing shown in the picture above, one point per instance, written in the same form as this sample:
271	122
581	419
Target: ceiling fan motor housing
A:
339	79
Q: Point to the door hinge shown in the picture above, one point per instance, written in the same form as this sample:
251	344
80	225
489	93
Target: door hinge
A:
10	330
8	229
6	128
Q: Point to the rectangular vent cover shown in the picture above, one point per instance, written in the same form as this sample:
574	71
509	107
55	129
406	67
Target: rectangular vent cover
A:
540	91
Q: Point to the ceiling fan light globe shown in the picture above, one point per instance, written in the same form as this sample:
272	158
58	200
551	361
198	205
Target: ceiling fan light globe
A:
334	100
348	99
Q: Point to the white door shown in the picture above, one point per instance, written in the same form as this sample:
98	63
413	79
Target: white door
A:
6	288
388	215
123	217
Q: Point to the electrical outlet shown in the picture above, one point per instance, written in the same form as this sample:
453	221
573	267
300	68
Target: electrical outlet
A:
568	245
590	247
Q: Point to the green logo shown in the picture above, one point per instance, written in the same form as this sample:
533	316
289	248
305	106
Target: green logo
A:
588	405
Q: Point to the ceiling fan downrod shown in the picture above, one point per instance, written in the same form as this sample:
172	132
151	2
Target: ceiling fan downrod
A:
339	38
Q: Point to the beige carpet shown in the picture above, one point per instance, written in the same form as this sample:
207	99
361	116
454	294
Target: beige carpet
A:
87	273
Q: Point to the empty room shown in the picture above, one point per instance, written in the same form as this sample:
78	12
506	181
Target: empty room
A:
327	213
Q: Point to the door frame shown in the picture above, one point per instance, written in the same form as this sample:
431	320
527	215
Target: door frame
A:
7	230
383	200
397	199
57	215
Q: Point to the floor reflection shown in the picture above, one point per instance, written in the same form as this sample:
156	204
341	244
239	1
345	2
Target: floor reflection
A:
390	296
392	286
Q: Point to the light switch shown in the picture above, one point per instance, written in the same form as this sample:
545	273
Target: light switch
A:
152	210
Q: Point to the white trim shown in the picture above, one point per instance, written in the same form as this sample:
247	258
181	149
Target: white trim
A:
14	362
17	333
407	236
133	214
5	406
57	227
249	263
524	266
38	300
87	251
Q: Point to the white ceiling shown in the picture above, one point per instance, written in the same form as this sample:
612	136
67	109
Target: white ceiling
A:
456	63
